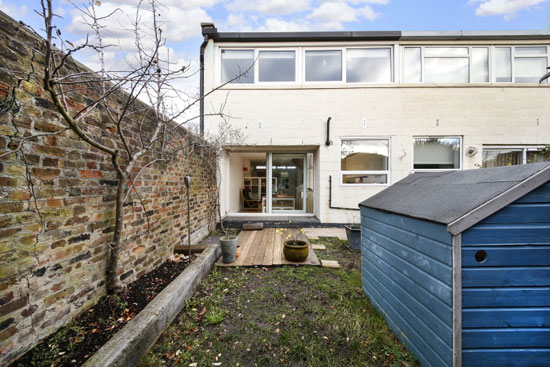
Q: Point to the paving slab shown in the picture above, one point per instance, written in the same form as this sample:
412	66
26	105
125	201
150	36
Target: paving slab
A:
315	233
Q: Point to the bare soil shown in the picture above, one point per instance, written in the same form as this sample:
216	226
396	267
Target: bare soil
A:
76	342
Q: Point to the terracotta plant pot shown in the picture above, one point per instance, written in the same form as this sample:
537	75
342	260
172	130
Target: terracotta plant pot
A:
296	251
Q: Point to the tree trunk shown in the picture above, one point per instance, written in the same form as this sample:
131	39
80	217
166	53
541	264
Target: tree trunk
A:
114	285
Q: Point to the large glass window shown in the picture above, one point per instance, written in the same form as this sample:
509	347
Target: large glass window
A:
276	66
238	65
412	65
323	66
530	64
480	64
435	153
368	65
365	161
446	64
514	155
503	64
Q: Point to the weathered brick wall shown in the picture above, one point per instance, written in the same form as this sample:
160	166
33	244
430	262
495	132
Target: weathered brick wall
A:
53	250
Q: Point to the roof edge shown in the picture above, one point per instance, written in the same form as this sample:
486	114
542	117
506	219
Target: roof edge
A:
505	198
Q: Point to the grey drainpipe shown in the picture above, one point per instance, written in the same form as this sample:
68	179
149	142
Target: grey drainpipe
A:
206	29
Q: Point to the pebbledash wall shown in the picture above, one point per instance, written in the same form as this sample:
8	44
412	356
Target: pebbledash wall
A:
292	116
52	265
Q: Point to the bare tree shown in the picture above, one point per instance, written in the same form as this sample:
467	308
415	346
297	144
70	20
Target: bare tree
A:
142	99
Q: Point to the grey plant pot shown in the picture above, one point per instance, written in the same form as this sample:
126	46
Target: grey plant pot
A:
229	248
353	232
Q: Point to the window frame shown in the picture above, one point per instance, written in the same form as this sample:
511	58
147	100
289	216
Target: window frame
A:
423	56
523	148
328	48
461	150
257	65
369	172
366	47
220	60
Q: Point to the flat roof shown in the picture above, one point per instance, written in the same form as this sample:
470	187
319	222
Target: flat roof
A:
210	30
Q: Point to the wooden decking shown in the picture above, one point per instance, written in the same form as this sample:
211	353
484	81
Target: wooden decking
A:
265	248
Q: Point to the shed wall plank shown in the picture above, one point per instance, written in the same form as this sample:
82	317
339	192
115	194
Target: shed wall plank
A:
507	256
516	234
407	275
520	213
506	297
505	338
506	318
505	357
539	195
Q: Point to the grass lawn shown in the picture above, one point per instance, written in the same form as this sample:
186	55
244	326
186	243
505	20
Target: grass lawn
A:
281	316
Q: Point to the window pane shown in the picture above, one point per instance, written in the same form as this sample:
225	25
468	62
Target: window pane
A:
503	64
536	156
446	70
502	157
364	155
368	65
480	64
541	50
235	63
412	67
529	69
276	66
323	66
365	179
437	153
439	51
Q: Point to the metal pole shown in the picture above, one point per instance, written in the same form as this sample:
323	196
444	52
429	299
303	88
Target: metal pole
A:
188	185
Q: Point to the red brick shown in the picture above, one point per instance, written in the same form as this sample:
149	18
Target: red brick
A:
20	195
54	203
91	174
45	174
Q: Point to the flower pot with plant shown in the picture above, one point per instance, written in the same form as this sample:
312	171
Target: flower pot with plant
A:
295	249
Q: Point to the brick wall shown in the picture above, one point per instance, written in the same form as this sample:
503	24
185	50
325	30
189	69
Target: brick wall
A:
53	250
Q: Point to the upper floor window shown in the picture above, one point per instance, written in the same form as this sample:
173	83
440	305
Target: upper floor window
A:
368	65
437	153
365	161
446	64
237	66
323	65
522	64
276	66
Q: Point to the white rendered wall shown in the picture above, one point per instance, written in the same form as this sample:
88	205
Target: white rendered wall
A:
293	117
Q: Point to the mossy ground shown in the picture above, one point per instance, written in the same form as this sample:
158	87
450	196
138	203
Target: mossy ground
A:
281	316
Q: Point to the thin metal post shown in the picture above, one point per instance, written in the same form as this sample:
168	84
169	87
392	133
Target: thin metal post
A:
188	185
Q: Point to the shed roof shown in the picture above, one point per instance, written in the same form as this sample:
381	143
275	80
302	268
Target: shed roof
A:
459	199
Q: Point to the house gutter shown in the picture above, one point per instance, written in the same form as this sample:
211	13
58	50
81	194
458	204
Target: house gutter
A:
207	29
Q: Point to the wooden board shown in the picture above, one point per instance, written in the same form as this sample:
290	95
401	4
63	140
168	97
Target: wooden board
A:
265	248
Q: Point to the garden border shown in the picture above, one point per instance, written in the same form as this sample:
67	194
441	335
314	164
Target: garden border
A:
127	346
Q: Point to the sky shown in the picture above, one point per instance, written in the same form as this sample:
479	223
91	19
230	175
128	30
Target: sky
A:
181	20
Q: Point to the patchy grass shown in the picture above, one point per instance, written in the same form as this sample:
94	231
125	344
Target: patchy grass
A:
281	316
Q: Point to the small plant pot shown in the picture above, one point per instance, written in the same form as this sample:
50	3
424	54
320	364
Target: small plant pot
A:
229	248
296	251
353	232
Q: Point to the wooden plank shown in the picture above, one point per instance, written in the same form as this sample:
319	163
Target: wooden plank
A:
435	249
261	246
506	297
507	256
434	231
521	213
247	241
251	254
408	253
268	255
539	195
380	269
507	317
518	234
277	248
506	357
505	338
331	264
506	277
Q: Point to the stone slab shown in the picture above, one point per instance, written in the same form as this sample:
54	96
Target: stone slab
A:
315	233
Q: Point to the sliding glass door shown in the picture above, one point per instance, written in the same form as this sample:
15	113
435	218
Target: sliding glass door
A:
288	173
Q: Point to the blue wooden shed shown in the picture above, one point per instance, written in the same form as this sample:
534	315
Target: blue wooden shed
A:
459	264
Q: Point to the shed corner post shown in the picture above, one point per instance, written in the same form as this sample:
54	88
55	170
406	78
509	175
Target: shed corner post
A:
457	299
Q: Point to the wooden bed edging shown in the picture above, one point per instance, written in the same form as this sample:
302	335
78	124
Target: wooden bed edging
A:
127	346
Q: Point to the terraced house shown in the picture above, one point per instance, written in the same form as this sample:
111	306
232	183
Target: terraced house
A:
330	118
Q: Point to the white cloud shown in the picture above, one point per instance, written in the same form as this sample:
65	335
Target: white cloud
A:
378	2
368	13
268	6
14	11
280	25
506	8
331	15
